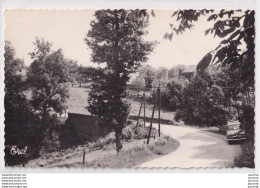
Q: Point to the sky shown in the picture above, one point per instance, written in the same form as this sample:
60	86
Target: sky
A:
67	29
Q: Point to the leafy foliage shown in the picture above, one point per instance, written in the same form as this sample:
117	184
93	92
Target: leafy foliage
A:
146	74
72	71
236	52
170	97
186	18
203	103
47	77
20	122
115	40
237	30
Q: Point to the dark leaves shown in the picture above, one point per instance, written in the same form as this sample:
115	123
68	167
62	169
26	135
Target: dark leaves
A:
204	63
213	16
207	31
168	36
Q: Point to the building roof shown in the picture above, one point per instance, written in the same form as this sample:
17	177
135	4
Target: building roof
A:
191	68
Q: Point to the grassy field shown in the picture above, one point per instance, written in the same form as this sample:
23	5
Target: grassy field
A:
77	103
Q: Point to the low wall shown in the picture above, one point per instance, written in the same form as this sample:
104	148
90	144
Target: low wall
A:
87	127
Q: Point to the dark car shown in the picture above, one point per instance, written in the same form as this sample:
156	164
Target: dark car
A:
235	133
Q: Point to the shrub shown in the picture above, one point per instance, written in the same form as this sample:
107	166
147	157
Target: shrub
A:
51	143
51	139
140	133
203	103
160	142
127	133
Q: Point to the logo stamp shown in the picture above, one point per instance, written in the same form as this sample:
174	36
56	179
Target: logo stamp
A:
15	150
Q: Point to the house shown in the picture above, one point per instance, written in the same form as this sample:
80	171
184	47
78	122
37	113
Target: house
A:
187	72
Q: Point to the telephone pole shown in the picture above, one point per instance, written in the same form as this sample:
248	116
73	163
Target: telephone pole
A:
159	93
144	107
151	123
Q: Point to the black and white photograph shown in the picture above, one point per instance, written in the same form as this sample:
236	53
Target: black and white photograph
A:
129	88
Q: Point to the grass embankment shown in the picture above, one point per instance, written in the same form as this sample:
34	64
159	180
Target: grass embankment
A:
102	153
135	155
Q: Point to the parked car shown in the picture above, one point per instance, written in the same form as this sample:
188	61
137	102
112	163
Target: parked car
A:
235	133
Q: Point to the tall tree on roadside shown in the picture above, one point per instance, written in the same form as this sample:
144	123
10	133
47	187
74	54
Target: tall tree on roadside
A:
48	77
116	41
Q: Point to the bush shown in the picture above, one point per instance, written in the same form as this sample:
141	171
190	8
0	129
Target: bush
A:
203	103
51	143
51	139
127	133
140	133
160	142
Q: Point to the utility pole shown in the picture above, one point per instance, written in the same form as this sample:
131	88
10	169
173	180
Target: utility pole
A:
159	93
84	153
144	107
139	113
150	129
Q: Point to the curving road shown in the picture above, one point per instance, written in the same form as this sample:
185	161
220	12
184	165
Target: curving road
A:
198	148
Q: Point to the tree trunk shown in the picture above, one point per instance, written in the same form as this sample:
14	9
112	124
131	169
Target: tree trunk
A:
118	140
40	139
237	110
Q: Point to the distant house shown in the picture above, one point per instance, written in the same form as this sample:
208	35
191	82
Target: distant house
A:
187	72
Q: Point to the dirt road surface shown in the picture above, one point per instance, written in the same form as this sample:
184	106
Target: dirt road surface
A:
199	148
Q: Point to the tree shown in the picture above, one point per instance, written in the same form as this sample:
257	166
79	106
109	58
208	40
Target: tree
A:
236	28
202	103
73	71
139	82
147	74
236	51
161	77
116	41
80	75
18	115
171	96
47	77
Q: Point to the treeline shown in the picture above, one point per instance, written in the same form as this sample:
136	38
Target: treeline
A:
210	98
35	97
149	77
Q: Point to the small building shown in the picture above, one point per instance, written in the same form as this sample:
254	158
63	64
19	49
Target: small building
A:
188	72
